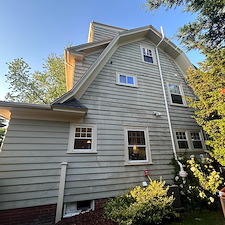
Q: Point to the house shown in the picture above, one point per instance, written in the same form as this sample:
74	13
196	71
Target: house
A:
124	114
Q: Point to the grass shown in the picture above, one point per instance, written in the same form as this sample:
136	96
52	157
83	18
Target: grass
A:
204	217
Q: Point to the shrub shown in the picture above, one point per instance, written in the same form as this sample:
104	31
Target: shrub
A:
142	205
199	189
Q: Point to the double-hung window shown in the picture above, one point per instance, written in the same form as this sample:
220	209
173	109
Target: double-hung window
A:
196	140
182	140
137	145
189	140
176	92
148	55
82	138
126	79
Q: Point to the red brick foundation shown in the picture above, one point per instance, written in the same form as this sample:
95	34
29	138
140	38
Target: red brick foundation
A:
95	217
45	215
39	215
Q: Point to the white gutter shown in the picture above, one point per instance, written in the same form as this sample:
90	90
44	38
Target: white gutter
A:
182	173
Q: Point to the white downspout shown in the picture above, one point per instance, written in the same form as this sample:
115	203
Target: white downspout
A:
182	173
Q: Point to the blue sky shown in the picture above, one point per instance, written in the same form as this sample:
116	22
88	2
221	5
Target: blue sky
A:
32	29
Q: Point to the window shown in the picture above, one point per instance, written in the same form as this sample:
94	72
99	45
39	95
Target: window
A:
189	140
176	93
75	208
196	140
82	138
148	54
127	80
182	140
137	145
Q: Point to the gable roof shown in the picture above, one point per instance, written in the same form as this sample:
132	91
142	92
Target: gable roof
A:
124	37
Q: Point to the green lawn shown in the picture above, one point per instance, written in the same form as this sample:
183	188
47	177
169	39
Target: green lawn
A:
200	218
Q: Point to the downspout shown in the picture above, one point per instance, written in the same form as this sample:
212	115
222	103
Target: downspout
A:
182	173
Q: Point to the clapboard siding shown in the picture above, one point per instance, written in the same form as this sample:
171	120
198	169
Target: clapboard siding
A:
81	68
34	150
100	33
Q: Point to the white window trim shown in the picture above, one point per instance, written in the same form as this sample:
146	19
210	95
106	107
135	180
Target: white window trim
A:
181	92
77	212
189	140
153	54
71	149
127	75
148	151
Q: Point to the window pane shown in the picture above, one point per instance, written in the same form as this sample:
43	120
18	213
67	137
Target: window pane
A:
122	79
130	80
181	135
148	58
89	129
149	52
174	89
137	153
84	205
197	144
183	144
176	99
82	144
136	138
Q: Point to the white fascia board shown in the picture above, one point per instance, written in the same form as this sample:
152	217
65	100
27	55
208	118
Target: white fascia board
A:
82	85
89	76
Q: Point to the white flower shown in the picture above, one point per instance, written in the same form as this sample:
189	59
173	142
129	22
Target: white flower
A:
176	178
192	156
211	199
181	185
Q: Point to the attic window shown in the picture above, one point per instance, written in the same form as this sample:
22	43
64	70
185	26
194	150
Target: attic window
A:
126	79
148	55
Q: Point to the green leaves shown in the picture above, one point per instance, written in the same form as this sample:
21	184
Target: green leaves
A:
142	205
208	83
207	31
37	87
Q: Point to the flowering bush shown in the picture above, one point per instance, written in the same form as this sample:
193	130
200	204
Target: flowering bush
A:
199	188
142	205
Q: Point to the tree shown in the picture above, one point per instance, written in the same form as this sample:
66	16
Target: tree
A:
208	83
2	129
37	87
207	31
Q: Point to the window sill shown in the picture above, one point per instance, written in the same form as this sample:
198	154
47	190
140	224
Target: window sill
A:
82	152
137	164
190	150
127	85
179	105
155	64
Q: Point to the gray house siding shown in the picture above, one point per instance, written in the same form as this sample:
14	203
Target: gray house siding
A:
101	32
34	150
82	67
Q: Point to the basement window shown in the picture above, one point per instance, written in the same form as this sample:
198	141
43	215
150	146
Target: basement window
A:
75	208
